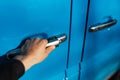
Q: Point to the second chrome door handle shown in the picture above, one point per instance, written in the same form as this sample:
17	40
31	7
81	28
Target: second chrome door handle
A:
102	25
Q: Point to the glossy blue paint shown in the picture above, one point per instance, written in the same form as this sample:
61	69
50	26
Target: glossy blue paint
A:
73	72
77	31
79	8
101	56
22	18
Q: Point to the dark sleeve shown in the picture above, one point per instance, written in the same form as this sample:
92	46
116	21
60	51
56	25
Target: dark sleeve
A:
11	70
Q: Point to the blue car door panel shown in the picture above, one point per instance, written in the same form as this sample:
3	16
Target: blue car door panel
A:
101	54
22	18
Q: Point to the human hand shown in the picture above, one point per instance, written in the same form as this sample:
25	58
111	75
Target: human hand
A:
34	51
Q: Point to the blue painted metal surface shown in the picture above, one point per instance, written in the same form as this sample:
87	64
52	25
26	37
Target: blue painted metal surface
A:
102	49
73	72
22	18
79	8
77	32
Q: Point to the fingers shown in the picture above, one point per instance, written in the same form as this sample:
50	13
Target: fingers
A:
43	43
37	44
37	40
35	49
49	49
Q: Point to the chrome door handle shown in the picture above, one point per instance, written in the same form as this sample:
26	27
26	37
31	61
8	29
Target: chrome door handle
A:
101	26
56	40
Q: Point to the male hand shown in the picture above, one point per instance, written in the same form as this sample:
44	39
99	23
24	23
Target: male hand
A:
34	51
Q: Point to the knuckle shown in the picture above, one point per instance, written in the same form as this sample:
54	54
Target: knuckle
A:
27	40
37	38
44	41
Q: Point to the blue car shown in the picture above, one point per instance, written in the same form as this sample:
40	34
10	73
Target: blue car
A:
92	48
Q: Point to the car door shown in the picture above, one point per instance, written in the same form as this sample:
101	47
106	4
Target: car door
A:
102	43
22	18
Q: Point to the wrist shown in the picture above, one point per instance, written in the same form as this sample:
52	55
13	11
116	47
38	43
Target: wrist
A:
27	62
